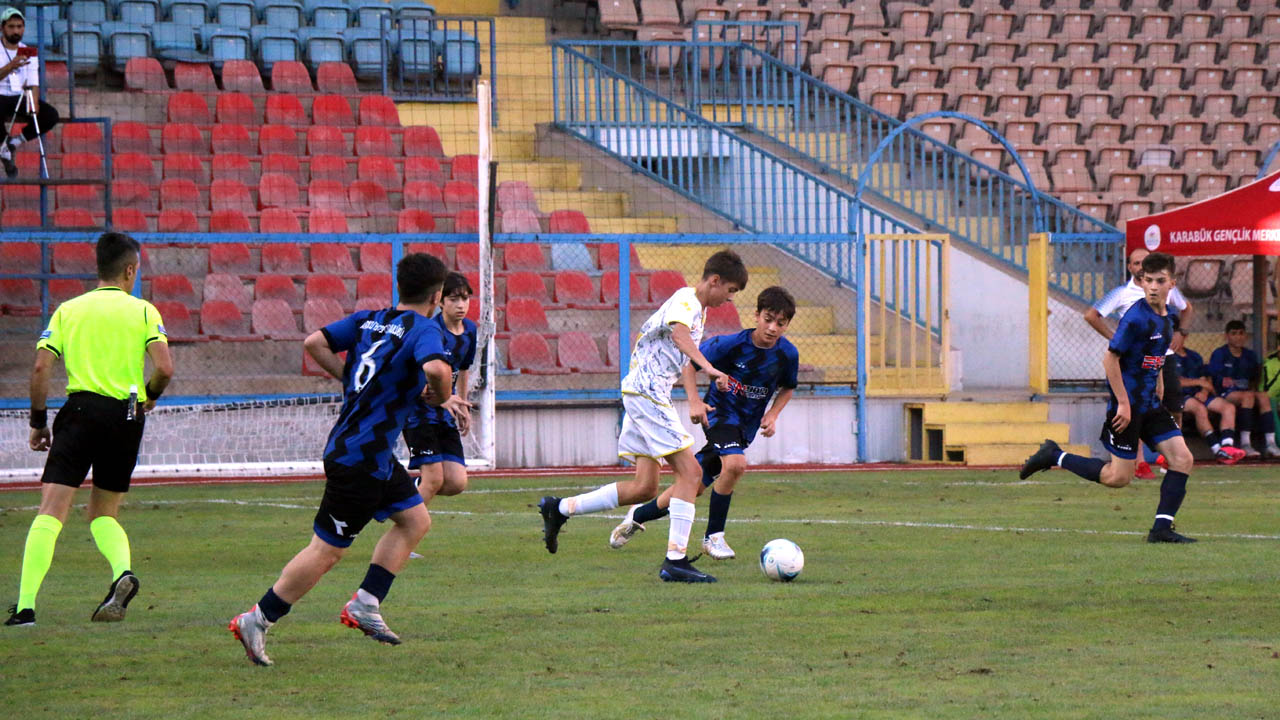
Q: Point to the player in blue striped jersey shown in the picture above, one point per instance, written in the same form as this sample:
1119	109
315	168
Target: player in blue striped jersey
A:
760	362
433	434
391	355
1133	362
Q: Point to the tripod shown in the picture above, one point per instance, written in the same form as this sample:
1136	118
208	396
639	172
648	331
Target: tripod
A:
29	99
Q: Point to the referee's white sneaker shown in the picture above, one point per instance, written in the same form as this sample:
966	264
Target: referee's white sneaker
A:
715	546
626	530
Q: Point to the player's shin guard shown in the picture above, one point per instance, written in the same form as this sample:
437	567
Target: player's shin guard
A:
37	556
377	583
1087	468
602	498
682	512
1172	490
112	542
718	512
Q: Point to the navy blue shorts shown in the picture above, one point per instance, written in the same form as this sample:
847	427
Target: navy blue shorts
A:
432	443
723	439
353	496
1152	427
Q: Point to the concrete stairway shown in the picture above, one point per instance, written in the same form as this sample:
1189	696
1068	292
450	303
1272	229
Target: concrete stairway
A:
977	433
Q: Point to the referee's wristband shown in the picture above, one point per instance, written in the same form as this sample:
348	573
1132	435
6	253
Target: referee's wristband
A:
154	394
39	419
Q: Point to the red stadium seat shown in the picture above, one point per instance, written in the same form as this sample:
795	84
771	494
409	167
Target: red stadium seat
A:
182	137
194	76
663	284
608	257
516	194
333	110
237	108
520	220
277	139
278	220
274	319
21	218
291	76
179	193
232	166
318	312
421	195
178	220
328	286
574	288
285	109
283	258
460	196
529	353
86	166
415	220
73	259
188	107
277	287
467	257
19	296
178	323
81	137
330	167
173	288
86	197
220	318
422	141
128	219
326	140
433	249
330	257
374	141
567	221
21	257
132	194
465	168
284	165
374	285
144	73
380	170
378	110
277	190
25	197
367	198
523	256
579	352
130	137
466	221
336	77
375	257
229	220
68	218
423	168
325	193
230	137
526	284
723	320
525	314
241	76
63	289
233	258
230	195
184	165
220	286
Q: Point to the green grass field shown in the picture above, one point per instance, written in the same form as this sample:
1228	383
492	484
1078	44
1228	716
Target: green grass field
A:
926	594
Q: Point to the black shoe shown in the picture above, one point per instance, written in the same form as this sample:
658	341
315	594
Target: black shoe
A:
20	617
113	605
552	521
682	570
1043	459
1167	535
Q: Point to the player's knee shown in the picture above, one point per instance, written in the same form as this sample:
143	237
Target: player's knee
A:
1181	460
733	466
453	485
1116	476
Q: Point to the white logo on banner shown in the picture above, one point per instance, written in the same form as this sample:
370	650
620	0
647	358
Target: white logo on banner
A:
1152	237
1275	186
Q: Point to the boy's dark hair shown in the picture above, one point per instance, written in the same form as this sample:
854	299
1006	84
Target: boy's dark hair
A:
418	276
115	252
776	300
728	266
457	284
1235	325
1157	261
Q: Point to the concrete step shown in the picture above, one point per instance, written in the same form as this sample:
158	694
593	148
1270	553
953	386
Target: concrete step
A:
1002	432
532	29
771	116
827	350
809	319
508	145
956	412
1012	454
589	202
618	225
543	174
466	7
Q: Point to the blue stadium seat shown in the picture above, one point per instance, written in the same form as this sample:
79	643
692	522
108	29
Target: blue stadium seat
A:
369	13
332	14
234	13
416	53
279	13
225	43
126	40
137	12
88	11
186	12
460	51
40	20
321	45
175	41
571	256
83	47
406	9
366	50
273	44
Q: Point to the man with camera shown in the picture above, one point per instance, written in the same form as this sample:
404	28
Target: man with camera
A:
19	79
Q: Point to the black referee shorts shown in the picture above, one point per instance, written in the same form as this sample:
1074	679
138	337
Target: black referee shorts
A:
93	430
353	496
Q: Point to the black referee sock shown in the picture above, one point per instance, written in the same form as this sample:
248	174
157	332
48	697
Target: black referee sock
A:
377	581
1172	490
649	511
272	607
1086	467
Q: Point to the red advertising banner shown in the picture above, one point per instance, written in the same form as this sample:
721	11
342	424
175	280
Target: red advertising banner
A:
1244	221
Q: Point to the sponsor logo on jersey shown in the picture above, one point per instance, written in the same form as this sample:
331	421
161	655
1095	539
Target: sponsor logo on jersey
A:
1152	362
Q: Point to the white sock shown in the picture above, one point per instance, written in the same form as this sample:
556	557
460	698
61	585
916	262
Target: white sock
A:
681	526
1216	448
1059	463
602	498
14	142
367	597
1227	440
1271	439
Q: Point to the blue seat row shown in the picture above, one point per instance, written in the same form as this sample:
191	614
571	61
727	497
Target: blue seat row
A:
292	14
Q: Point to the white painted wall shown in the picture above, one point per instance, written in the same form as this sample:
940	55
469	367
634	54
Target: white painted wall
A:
988	323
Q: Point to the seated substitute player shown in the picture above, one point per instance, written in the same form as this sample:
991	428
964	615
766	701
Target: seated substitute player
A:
388	353
1235	371
103	338
433	434
762	362
651	428
1199	399
1133	362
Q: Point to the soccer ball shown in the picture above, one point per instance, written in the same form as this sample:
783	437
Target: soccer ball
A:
781	560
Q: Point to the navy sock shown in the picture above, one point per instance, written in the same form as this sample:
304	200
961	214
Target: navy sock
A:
649	511
1172	491
377	581
272	607
1244	422
1086	467
718	513
1211	438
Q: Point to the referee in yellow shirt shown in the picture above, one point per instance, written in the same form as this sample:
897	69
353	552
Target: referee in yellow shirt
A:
103	337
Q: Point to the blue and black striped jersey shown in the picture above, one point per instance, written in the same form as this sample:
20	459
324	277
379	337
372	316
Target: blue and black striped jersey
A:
1141	340
758	374
460	353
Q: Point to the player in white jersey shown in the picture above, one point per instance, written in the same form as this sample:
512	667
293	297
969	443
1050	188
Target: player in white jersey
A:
1116	303
651	428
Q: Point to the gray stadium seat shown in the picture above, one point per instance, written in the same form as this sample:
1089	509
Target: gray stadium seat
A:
125	40
234	13
186	12
273	44
366	50
369	13
225	43
83	47
136	12
279	13
332	14
175	41
321	45
88	11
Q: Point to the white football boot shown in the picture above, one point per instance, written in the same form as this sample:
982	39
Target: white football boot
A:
626	530
717	548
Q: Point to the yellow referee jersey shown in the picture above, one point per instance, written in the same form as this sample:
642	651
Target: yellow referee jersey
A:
102	338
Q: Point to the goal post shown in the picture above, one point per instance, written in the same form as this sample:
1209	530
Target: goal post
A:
480	444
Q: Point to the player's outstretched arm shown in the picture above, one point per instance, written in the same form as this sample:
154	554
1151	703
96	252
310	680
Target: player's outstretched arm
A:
683	340
769	423
317	346
40	438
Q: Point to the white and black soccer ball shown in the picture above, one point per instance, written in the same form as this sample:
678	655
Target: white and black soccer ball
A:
781	560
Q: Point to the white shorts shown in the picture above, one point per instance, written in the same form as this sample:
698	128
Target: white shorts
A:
650	430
